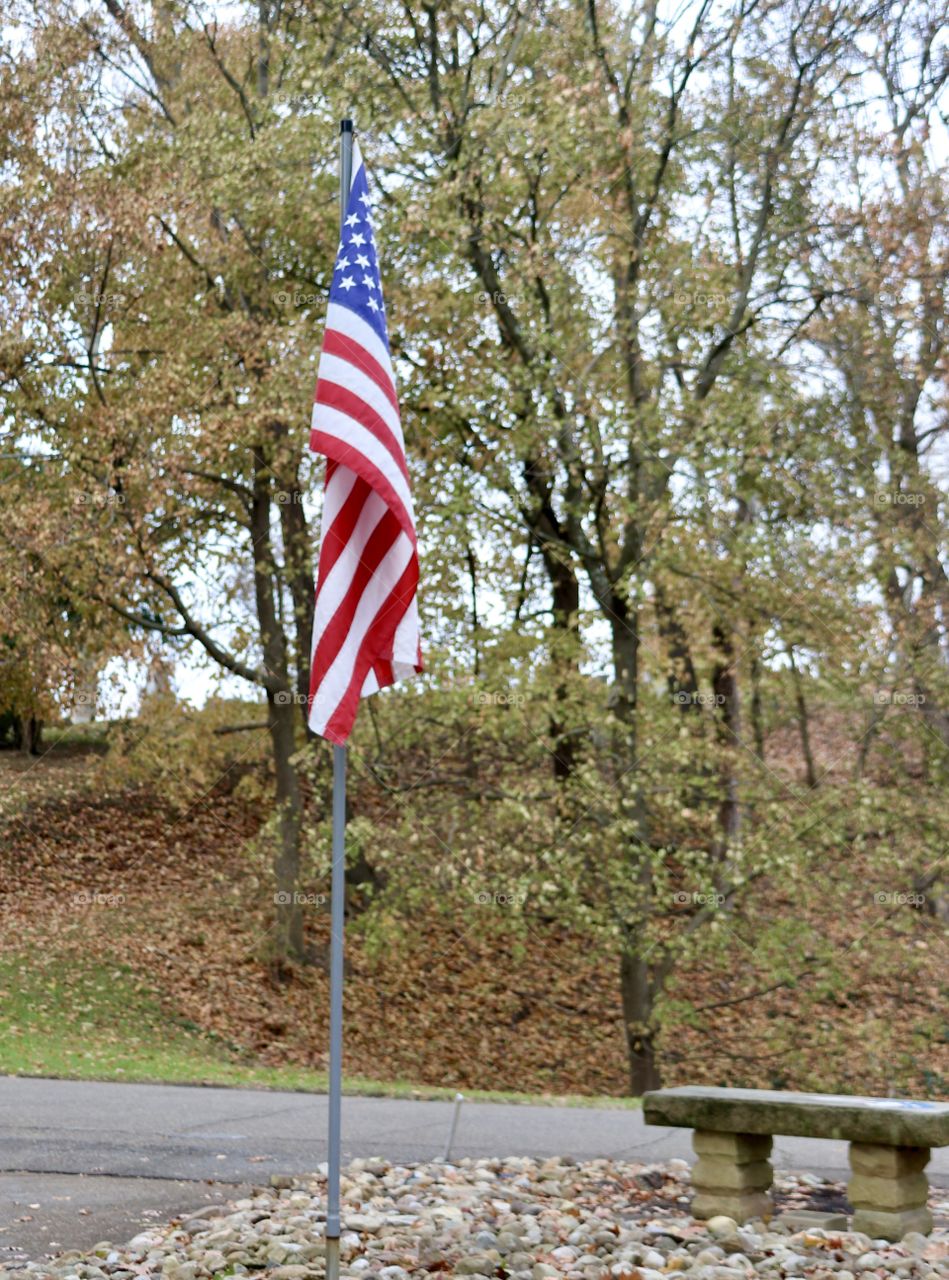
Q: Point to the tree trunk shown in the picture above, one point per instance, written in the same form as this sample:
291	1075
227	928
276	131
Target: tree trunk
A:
681	678
635	983
624	699
637	1023
298	568
909	536
475	623
929	655
757	709
803	722
728	709
289	914
565	591
28	734
34	736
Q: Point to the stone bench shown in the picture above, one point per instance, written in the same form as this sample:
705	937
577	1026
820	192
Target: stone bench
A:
890	1141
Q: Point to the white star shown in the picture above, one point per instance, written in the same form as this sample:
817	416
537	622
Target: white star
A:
342	264
362	260
358	238
364	198
352	219
368	282
372	304
348	283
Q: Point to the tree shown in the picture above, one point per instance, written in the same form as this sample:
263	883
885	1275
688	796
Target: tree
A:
171	211
603	176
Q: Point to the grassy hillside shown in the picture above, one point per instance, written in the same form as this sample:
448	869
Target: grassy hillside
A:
134	945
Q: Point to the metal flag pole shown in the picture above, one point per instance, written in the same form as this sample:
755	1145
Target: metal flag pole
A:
338	885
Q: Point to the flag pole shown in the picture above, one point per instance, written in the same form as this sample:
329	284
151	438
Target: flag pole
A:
338	885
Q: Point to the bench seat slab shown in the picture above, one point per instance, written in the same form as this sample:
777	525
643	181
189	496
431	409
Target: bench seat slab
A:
895	1122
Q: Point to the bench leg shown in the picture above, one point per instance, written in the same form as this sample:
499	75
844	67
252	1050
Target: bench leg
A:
888	1190
732	1175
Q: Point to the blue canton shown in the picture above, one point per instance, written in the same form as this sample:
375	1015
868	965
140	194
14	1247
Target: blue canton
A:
356	283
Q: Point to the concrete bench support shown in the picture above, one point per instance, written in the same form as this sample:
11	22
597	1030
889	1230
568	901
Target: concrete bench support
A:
732	1175
890	1141
888	1190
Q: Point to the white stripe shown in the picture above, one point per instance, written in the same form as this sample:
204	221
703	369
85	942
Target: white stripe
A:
357	354
353	326
406	641
336	680
335	493
337	490
347	374
337	582
350	432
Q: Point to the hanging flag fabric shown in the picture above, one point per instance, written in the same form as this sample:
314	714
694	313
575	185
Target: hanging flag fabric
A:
366	624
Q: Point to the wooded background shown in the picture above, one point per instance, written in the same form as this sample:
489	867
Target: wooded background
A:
668	305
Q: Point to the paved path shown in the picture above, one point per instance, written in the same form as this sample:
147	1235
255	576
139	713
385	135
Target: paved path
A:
44	1213
164	1147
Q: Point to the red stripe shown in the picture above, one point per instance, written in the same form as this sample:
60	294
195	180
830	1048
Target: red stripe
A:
342	529
349	456
377	644
333	638
382	670
335	540
336	396
339	344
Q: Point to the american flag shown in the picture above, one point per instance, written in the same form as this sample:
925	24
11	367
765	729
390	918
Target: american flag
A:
366	625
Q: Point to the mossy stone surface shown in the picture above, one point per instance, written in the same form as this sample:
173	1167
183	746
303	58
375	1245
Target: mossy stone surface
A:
894	1122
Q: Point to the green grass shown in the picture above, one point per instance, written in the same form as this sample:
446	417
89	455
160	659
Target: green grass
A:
76	736
80	1021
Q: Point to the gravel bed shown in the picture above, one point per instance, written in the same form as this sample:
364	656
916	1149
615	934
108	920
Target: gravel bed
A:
519	1218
